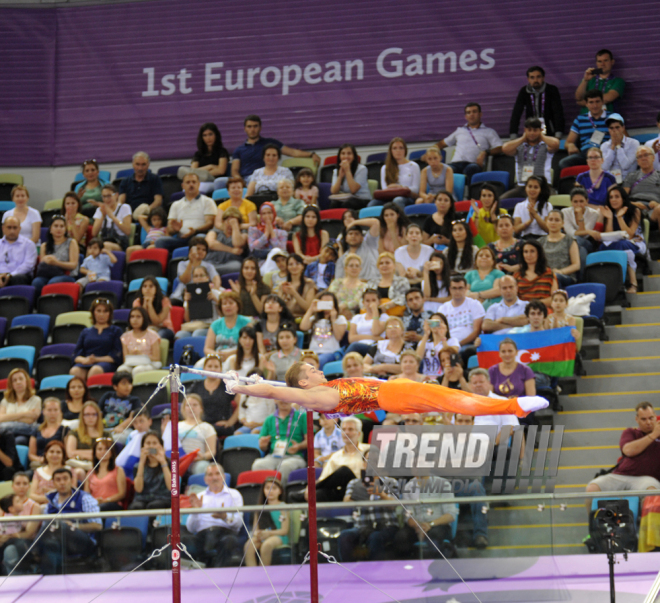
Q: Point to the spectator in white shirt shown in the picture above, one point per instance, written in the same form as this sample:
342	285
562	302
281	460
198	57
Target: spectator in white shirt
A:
510	312
474	142
464	315
619	153
399	172
580	222
414	255
192	215
214	536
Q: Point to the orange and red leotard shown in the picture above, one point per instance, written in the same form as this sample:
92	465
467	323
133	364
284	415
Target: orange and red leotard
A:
403	396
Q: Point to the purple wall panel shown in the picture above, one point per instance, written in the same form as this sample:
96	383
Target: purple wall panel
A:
27	74
100	110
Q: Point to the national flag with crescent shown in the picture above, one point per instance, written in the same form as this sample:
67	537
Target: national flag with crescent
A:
549	352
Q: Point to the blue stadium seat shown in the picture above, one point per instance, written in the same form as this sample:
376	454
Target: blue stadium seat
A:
22	451
116	287
181	252
36	320
459	186
117	269
244	440
125	173
501	177
377	157
333	368
57	381
25	352
371	212
135	284
187	377
196	342
422	209
26	291
473	362
613	256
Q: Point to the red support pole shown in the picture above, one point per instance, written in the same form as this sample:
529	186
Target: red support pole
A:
176	517
311	515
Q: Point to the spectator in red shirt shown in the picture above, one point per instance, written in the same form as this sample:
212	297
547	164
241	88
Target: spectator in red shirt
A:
639	469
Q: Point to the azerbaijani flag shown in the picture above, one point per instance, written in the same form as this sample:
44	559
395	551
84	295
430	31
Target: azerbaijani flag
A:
472	225
549	352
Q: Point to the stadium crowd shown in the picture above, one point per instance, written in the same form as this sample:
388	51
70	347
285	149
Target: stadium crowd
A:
254	266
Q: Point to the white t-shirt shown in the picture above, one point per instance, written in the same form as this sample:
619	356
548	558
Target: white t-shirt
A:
256	410
521	211
499	420
402	257
323	339
33	217
192	213
121	211
362	326
248	365
320	280
430	362
409	175
461	319
194	437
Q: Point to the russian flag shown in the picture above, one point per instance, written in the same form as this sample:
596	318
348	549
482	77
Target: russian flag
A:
130	454
549	352
472	225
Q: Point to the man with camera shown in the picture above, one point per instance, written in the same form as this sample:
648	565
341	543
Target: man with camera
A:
414	316
600	78
639	469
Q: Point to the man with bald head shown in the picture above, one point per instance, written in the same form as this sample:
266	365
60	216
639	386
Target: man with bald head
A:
510	312
18	255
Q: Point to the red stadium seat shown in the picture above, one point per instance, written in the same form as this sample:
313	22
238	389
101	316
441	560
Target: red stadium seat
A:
333	214
103	379
177	314
70	289
160	255
257	477
573	171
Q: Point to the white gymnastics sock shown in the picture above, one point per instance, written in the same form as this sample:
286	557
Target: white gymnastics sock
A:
532	403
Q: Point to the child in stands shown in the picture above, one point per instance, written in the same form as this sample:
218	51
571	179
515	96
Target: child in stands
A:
96	266
305	188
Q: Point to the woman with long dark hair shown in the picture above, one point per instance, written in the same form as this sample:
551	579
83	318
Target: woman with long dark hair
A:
328	328
107	481
399	173
461	252
486	216
247	355
275	314
437	227
297	291
535	279
157	305
621	215
151	475
271	528
211	158
57	258
76	221
250	287
310	239
529	215
99	347
436	337
89	190
390	227
350	185
77	393
436	277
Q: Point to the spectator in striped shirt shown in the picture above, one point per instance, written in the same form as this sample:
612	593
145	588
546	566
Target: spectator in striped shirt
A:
533	152
588	131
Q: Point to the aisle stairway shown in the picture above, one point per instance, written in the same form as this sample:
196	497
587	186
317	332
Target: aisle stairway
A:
620	373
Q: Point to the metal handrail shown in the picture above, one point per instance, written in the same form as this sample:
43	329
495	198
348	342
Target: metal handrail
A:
342	505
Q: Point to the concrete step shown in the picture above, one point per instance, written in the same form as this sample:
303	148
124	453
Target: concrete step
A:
630	364
652	282
634	364
640	315
620	346
621	417
650	298
647	330
605	436
628	382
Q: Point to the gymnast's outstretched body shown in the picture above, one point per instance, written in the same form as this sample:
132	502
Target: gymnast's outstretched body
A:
308	387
